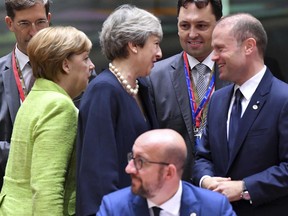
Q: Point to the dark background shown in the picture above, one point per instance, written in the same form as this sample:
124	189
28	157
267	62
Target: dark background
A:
88	16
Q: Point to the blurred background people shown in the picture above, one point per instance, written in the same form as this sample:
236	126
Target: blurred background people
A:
41	169
24	18
180	91
244	150
156	165
116	107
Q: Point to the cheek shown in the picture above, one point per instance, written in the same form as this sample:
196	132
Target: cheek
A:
207	36
182	34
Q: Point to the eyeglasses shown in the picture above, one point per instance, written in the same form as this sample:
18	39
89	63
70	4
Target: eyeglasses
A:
39	24
138	162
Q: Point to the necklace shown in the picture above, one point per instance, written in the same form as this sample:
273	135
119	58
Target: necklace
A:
123	81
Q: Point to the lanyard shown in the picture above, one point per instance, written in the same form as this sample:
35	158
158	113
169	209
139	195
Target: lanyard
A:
196	111
19	78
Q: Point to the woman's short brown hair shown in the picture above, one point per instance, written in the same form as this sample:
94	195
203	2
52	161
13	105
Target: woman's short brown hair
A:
51	46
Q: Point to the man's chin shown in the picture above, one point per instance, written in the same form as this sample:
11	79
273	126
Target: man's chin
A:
134	190
135	184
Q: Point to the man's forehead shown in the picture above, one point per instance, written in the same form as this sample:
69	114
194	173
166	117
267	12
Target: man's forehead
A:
38	12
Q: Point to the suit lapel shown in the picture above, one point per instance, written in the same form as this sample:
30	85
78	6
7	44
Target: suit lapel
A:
253	109
147	103
10	88
178	78
222	113
140	206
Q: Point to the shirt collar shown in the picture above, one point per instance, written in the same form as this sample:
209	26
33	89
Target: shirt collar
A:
21	57
172	205
208	61
249	87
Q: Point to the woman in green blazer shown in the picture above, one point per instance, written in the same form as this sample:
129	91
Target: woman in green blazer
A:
40	173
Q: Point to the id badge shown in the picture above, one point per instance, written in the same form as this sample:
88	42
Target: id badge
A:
197	135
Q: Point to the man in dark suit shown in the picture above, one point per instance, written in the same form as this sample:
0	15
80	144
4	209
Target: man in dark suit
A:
156	182
24	18
248	164
173	81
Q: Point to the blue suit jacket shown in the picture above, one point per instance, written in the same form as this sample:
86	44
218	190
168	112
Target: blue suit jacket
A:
194	200
109	122
168	88
260	155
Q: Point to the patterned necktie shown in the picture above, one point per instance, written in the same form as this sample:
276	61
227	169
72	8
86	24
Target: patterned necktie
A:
156	210
235	117
201	84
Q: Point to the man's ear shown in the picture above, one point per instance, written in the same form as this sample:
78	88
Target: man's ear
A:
49	17
171	171
9	23
250	45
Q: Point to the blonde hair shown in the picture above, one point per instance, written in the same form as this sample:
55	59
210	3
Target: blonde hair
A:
51	46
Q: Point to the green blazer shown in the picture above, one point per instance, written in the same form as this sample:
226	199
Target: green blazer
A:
40	173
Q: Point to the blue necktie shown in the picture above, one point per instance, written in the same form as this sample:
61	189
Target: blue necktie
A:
156	210
235	117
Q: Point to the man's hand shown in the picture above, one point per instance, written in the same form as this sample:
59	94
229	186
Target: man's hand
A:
212	183
231	189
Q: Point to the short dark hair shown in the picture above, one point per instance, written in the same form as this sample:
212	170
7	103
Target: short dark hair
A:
17	5
216	6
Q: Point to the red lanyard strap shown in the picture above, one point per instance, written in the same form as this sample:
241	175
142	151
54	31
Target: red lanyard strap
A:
196	111
17	77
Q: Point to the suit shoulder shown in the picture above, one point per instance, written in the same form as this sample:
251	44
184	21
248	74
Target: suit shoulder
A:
280	84
166	63
120	198
170	59
203	194
4	60
223	90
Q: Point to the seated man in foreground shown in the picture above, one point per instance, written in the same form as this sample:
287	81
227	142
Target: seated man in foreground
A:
156	166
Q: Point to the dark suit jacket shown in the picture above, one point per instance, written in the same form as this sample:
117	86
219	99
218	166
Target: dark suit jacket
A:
260	156
194	200
9	105
170	97
109	122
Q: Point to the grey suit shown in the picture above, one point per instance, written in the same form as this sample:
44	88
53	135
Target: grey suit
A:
9	105
170	97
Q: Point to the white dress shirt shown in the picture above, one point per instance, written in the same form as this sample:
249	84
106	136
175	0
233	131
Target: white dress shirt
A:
24	66
171	207
247	89
208	62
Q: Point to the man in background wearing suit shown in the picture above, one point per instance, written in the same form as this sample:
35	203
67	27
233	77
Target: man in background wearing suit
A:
244	150
155	165
179	92
24	18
